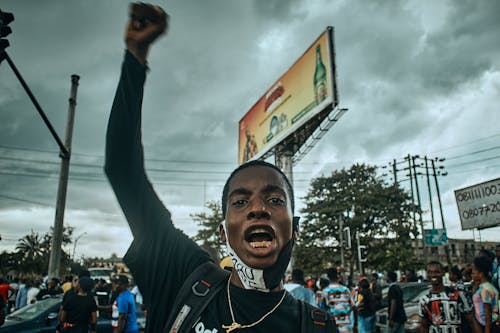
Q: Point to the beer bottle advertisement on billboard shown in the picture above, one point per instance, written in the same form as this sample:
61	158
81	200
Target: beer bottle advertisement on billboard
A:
302	92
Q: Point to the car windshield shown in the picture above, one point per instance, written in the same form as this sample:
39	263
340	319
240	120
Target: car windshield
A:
33	310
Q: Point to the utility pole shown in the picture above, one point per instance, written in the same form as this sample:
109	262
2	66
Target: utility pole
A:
438	193
424	248
64	149
55	253
413	204
394	171
430	192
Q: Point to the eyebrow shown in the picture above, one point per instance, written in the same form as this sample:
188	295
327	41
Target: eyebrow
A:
268	189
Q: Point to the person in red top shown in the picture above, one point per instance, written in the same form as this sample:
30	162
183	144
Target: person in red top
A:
5	289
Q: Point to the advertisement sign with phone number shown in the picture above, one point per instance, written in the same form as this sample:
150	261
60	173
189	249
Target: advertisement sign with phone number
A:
479	205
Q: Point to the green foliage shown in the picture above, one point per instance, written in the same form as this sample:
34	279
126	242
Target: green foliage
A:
33	252
355	198
209	222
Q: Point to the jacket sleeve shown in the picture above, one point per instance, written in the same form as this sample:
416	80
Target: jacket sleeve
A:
124	164
160	253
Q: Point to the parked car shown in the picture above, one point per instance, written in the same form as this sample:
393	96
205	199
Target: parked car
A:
42	317
411	308
410	289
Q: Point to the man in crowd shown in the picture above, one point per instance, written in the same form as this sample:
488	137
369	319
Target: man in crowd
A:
257	204
51	290
339	303
124	319
442	308
376	290
396	311
296	287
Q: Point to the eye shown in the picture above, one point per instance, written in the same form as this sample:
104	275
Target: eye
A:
277	201
239	203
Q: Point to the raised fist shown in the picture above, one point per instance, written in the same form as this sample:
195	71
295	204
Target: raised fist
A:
146	24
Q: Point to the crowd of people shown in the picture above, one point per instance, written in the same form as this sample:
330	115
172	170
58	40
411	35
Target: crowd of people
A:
458	300
83	300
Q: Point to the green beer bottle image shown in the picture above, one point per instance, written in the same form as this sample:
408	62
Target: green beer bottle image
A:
319	78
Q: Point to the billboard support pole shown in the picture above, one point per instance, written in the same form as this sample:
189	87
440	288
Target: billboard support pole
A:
284	161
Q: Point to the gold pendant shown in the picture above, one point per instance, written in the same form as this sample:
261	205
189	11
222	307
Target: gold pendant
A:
232	327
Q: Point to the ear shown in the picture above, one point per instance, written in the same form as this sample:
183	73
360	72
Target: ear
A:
222	234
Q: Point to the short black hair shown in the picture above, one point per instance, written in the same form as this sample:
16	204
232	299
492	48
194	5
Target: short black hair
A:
483	265
364	284
298	275
252	163
84	272
434	263
456	271
332	274
392	276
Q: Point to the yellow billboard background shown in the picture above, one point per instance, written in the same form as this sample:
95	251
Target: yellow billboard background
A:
287	104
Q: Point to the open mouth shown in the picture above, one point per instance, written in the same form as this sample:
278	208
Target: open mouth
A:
260	236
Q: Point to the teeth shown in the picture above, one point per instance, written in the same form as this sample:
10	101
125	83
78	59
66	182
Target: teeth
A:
262	244
256	231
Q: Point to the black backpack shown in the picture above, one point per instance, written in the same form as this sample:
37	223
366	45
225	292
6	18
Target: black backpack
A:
206	281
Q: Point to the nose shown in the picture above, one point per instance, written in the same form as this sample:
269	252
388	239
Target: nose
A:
259	212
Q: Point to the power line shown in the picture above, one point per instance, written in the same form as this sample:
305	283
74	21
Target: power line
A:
472	153
472	162
25	200
467	143
102	156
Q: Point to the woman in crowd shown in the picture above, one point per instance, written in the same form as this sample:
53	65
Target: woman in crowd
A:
485	297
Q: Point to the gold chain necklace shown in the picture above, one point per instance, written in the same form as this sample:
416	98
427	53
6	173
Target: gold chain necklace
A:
235	325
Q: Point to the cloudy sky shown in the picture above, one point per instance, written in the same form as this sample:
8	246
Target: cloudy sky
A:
418	77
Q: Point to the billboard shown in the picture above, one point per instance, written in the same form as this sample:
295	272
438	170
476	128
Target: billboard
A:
307	88
479	205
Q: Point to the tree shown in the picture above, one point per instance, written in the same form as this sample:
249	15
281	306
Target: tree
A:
30	246
33	251
209	222
375	211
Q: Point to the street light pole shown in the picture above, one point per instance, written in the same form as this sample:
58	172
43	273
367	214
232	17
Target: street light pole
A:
74	245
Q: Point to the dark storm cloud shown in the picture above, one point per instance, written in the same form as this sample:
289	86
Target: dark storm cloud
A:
407	71
280	10
464	48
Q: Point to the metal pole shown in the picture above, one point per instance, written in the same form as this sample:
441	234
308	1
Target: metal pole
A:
341	232
413	204
284	161
55	252
438	194
430	193
419	205
64	150
394	171
74	245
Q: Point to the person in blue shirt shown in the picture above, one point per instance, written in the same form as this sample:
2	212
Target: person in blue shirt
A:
297	289
124	317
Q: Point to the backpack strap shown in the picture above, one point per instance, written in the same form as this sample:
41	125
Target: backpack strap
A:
314	320
196	292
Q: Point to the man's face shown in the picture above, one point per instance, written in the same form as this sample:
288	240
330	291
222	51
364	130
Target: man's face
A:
435	274
258	215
